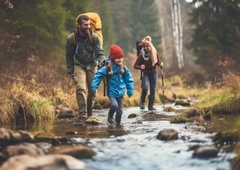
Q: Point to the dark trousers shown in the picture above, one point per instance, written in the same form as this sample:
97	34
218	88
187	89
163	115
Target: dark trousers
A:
115	106
149	79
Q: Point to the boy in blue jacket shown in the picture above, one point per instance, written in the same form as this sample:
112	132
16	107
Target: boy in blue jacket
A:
119	79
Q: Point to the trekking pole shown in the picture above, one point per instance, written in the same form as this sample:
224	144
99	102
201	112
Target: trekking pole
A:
162	86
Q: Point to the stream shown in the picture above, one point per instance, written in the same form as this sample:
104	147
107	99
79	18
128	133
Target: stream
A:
134	145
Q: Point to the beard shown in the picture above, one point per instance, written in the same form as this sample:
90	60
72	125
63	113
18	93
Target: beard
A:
84	30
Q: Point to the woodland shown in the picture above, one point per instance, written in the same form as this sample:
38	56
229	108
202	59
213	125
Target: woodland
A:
205	35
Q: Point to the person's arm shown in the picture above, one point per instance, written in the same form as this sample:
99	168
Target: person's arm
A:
128	80
99	75
159	63
138	62
100	55
70	51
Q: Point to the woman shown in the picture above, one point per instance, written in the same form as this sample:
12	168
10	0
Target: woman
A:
147	60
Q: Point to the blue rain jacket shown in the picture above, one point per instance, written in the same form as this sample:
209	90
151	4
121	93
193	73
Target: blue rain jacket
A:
117	83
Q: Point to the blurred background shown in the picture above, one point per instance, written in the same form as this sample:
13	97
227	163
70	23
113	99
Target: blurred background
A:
198	40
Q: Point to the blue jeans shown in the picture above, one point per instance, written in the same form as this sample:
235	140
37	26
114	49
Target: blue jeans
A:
116	106
149	79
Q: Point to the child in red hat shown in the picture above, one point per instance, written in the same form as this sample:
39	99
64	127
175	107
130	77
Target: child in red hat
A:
119	79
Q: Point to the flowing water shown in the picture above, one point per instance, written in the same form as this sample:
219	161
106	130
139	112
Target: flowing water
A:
134	145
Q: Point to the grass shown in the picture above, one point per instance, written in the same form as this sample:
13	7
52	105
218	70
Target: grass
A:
224	98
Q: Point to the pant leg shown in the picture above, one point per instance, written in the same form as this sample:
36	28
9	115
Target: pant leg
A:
113	107
119	110
90	94
145	81
153	83
80	82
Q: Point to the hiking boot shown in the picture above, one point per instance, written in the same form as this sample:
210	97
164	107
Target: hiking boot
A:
142	100
150	103
151	108
110	117
118	119
142	106
110	120
82	114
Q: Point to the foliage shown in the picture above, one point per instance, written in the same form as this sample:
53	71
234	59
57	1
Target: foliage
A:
215	32
220	100
38	24
109	35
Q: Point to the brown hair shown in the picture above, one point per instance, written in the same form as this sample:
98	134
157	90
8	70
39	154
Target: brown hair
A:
81	18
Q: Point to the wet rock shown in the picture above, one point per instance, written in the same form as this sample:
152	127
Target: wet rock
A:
205	152
235	163
8	137
169	109
96	120
47	162
79	151
64	112
5	134
167	134
132	115
193	113
26	136
24	148
230	137
208	115
179	120
182	103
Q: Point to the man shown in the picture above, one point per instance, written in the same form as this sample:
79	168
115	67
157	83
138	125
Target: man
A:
84	53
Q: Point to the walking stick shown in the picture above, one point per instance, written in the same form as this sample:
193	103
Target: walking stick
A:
162	86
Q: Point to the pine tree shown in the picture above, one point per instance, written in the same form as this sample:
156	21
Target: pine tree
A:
144	20
216	33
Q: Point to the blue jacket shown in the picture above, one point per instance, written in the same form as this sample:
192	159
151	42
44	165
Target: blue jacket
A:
117	83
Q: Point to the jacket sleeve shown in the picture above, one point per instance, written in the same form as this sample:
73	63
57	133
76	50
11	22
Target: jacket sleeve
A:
159	60
99	75
128	79
100	55
138	62
70	51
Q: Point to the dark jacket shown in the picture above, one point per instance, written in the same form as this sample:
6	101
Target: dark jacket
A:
148	64
83	53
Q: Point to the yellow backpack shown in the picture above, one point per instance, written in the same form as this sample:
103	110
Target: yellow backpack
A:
96	25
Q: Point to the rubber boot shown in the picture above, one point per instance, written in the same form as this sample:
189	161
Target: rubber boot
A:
110	117
143	96
118	118
89	107
142	106
151	102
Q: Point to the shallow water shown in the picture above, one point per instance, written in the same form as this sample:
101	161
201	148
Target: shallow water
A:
134	145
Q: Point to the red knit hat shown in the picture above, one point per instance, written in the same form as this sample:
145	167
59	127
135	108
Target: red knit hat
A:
115	52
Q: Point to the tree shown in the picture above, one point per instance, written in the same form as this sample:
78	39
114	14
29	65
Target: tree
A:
216	33
144	20
109	36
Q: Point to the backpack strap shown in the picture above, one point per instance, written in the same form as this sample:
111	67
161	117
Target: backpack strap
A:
74	37
90	36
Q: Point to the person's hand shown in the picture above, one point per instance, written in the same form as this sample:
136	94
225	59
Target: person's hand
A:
129	95
142	66
161	64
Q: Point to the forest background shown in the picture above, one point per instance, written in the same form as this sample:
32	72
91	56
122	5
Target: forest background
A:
198	41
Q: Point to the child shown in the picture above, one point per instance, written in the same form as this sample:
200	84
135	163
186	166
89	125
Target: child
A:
119	78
